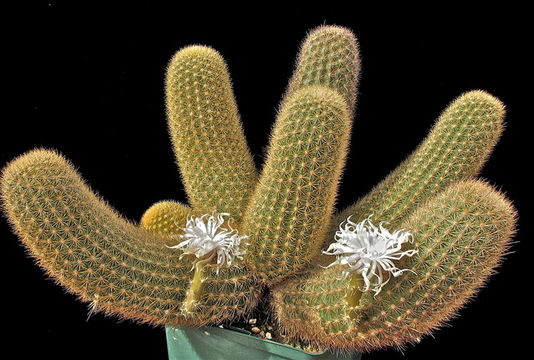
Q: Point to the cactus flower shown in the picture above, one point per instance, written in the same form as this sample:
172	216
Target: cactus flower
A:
205	238
369	250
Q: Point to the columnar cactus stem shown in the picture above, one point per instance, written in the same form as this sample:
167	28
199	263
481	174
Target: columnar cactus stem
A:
329	57
456	149
207	133
293	202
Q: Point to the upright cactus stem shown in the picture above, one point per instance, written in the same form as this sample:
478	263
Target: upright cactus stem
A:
207	133
294	200
329	57
439	234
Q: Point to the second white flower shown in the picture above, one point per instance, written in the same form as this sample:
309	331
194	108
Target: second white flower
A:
369	250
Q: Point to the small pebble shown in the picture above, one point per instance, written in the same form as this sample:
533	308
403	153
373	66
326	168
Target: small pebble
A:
252	321
262	333
255	330
268	336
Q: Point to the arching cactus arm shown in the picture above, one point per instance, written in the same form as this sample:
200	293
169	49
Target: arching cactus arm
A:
104	259
456	148
460	235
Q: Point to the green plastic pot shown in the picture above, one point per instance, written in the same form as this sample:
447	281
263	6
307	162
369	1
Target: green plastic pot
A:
212	343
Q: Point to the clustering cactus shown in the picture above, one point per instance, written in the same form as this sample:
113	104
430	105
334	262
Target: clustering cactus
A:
459	226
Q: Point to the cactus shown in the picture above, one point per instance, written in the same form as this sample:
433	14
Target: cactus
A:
456	149
163	216
104	259
207	134
329	57
293	202
461	234
458	227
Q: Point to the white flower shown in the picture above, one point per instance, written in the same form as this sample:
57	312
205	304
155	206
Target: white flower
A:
205	238
369	251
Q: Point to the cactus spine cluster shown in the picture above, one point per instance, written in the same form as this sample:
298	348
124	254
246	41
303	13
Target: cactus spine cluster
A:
461	226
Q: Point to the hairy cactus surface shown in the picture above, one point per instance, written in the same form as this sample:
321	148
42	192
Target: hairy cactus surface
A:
247	237
328	57
104	259
461	235
456	149
207	134
163	216
294	200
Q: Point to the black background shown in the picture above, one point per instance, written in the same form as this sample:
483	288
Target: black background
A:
88	80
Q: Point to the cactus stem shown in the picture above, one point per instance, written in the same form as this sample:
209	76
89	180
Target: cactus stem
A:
195	291
354	293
